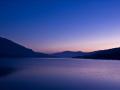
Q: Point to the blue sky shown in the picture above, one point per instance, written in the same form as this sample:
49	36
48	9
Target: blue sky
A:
58	25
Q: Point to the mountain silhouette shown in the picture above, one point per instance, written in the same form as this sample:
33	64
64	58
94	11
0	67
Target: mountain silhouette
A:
113	53
9	48
68	54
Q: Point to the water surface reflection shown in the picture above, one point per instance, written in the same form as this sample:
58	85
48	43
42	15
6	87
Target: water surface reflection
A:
61	74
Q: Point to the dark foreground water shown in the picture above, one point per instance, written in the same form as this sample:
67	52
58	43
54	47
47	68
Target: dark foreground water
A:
59	74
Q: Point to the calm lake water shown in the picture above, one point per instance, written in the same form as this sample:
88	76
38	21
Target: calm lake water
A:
59	74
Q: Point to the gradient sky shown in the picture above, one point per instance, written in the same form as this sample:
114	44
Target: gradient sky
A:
58	25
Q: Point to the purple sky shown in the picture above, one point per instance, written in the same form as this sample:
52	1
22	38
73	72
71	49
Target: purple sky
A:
58	25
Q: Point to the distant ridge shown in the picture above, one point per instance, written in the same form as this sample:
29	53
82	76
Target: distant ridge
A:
68	54
9	48
113	53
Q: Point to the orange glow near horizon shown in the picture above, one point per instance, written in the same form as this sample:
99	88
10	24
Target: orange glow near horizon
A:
84	49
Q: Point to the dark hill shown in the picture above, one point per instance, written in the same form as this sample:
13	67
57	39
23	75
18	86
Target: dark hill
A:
113	53
9	48
68	54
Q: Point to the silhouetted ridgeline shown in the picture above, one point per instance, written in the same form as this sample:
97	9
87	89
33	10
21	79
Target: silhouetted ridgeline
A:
11	49
113	53
68	54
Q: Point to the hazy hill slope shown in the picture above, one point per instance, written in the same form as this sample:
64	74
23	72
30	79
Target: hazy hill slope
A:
9	48
68	54
113	53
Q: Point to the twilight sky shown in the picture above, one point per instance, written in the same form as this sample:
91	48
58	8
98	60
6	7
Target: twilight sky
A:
58	25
